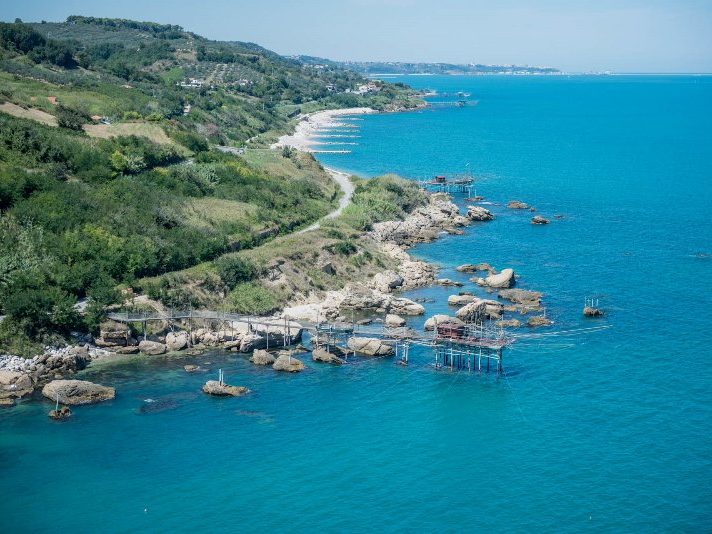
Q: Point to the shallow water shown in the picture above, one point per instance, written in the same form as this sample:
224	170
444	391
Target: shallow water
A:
608	430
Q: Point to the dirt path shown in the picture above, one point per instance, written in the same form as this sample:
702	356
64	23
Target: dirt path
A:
347	187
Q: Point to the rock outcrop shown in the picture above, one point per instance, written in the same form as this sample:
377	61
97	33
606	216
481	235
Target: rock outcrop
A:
503	280
517	205
386	282
288	364
422	225
74	392
152	348
447	282
478	213
213	387
370	346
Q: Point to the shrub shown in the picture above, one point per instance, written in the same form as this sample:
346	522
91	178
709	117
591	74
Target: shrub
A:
234	270
251	297
71	118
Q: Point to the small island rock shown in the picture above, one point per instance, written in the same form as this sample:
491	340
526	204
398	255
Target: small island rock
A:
538	219
504	279
538	320
478	213
262	357
213	387
287	363
517	205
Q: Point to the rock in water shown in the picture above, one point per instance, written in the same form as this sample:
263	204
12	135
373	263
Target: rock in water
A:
590	311
152	348
287	363
447	282
478	213
322	355
474	312
63	413
522	296
191	368
262	357
538	219
370	346
14	384
538	320
394	321
460	300
517	205
440	319
74	392
213	387
505	279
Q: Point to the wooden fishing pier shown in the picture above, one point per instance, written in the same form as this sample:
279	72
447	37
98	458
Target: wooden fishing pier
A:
442	184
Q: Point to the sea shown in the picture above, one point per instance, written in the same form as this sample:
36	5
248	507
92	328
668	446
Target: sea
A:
587	429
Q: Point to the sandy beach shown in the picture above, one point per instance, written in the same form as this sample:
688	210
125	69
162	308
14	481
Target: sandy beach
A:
313	124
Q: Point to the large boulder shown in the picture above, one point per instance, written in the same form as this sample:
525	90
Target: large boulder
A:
504	279
403	306
252	342
14	384
77	392
262	357
320	354
474	312
538	219
394	321
151	348
176	341
287	363
213	387
478	213
386	282
441	319
370	346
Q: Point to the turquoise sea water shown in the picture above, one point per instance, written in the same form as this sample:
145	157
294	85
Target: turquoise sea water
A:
606	431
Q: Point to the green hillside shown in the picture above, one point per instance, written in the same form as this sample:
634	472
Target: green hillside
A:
91	205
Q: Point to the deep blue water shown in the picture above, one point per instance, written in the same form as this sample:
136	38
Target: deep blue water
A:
604	431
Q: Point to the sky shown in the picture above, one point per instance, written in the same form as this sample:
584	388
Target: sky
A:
573	35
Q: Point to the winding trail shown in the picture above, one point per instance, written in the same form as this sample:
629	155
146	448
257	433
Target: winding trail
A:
347	187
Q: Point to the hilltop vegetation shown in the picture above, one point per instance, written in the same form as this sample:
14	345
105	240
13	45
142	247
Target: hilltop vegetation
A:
92	206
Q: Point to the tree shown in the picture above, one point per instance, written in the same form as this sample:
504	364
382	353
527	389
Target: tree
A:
71	118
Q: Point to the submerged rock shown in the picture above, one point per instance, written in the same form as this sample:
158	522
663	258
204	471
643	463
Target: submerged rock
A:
74	392
287	363
538	320
370	346
191	368
524	297
213	387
